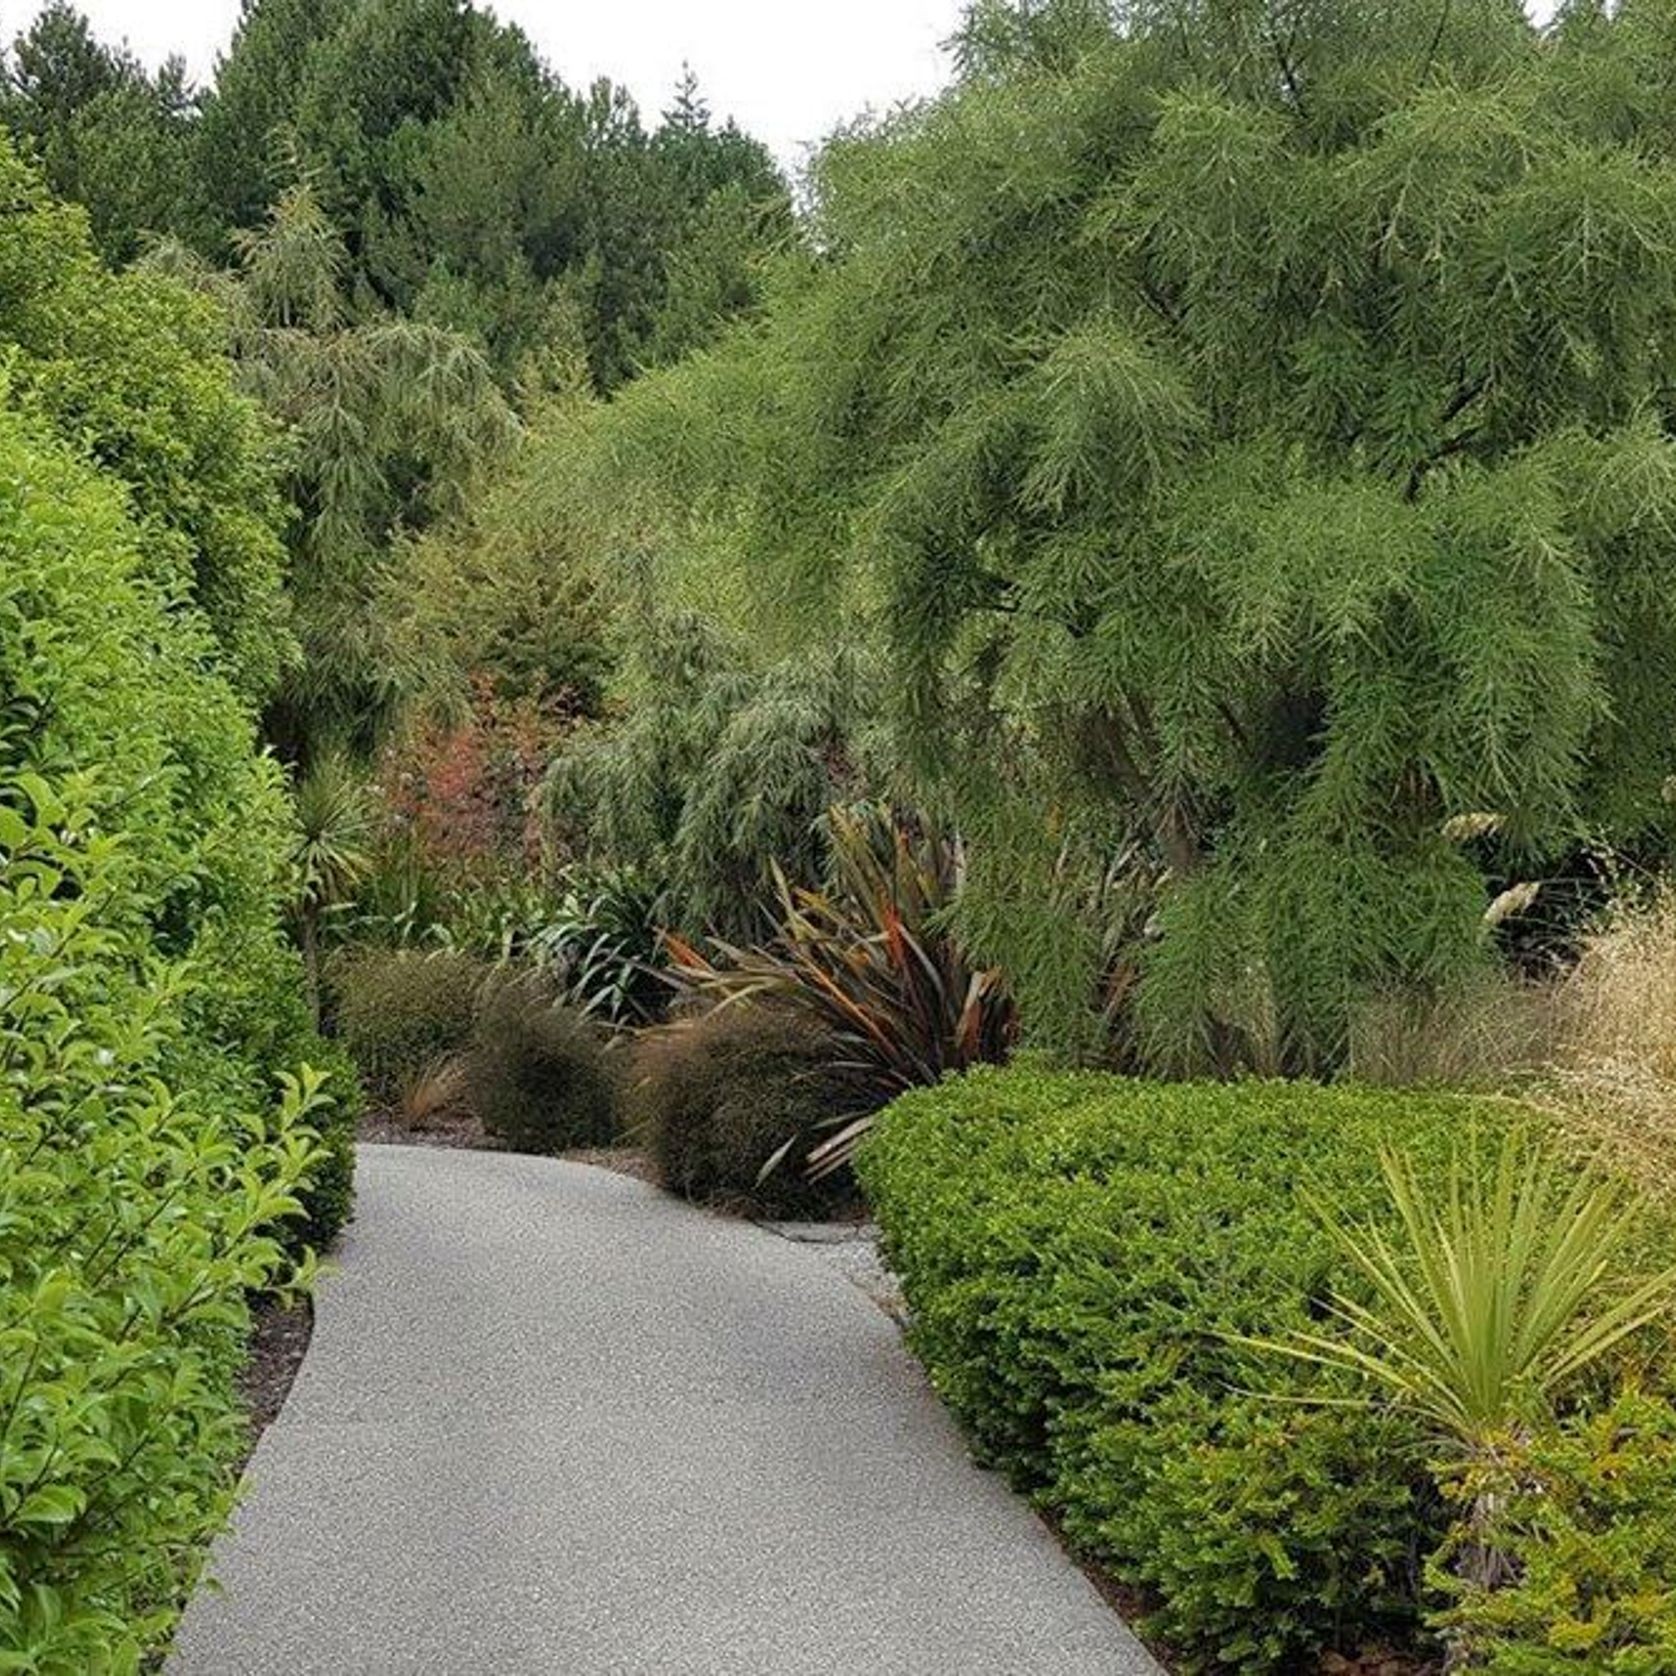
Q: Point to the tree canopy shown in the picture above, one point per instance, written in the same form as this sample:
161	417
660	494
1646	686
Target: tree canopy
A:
1243	432
471	186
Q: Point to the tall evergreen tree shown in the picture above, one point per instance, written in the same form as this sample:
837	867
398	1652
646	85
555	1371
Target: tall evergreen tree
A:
248	130
103	130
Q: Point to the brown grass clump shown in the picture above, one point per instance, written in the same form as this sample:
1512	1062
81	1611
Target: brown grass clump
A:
1490	1035
432	1094
1612	1079
729	1101
401	1010
536	1071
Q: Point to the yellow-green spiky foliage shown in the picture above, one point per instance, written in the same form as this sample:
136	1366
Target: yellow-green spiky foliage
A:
1242	426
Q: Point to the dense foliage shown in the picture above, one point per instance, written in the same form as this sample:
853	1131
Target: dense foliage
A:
401	1011
389	420
536	1072
128	367
136	1221
1168	560
1077	1252
711	770
1243	436
475	190
1589	1531
148	1008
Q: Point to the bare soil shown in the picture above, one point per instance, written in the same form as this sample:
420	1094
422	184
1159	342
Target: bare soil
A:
279	1336
452	1126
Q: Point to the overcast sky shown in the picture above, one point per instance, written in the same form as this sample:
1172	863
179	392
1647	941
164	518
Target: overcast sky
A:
788	71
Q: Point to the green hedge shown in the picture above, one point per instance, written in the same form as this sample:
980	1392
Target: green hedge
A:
151	1172
134	1220
131	370
1075	1249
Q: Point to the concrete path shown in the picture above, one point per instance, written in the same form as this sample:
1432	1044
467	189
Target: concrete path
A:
553	1423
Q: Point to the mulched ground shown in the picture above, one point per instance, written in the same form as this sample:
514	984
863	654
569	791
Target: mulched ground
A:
278	1338
455	1128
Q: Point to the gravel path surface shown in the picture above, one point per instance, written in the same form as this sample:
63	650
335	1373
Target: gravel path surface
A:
553	1423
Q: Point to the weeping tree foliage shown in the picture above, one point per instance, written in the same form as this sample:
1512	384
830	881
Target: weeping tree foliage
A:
1242	429
503	591
711	768
389	418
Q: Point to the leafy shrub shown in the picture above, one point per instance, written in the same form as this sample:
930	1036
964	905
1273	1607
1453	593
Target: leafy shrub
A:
536	1073
1081	1255
600	942
327	1195
148	1168
716	1098
135	1223
1590	1528
129	367
400	1010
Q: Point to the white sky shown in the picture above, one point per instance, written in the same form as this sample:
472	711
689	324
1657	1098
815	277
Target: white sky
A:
787	70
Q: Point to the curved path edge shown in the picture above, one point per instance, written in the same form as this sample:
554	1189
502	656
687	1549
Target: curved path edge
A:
553	1421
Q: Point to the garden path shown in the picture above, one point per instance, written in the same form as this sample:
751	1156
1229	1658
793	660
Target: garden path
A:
555	1422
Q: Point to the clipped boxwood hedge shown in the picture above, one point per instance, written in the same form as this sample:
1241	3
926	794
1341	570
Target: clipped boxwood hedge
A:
1076	1249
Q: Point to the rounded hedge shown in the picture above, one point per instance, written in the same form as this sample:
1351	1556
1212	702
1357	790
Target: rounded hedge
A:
1079	1252
536	1073
716	1096
401	1010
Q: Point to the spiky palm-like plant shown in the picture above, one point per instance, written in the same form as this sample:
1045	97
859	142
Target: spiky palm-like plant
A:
1487	1303
332	856
872	966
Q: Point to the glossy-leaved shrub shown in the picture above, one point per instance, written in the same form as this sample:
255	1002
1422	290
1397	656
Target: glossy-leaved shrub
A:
158	1117
150	1165
536	1072
1083	1254
135	1223
130	368
142	622
730	1102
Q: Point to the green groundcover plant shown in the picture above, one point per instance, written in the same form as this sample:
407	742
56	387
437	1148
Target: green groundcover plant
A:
1589	1529
1087	1260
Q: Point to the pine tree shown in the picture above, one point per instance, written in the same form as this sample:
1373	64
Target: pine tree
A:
104	131
250	114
